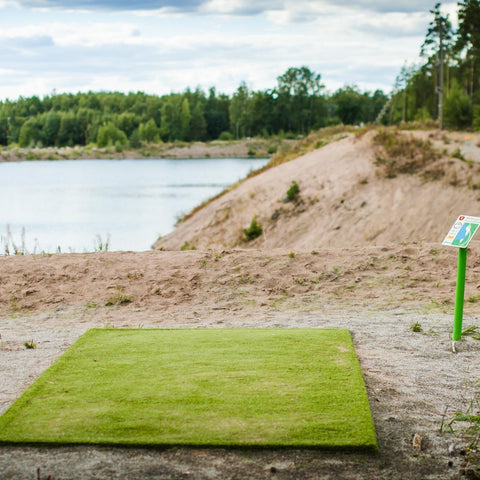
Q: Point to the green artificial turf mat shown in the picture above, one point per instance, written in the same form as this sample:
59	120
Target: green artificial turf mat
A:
217	387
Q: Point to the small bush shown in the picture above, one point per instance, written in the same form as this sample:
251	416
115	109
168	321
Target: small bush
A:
416	327
293	191
254	230
272	149
226	136
400	154
188	246
118	298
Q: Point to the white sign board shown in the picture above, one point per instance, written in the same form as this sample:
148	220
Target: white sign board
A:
462	231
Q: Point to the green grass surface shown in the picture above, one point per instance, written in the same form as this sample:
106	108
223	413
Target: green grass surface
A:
228	387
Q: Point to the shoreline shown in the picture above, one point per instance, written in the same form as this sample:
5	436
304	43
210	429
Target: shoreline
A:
243	148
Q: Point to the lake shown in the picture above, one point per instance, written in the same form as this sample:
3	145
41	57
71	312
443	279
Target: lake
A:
75	205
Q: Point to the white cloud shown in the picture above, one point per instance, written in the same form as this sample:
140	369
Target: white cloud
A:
217	43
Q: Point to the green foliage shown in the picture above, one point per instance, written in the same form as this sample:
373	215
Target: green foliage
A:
416	327
188	246
293	191
148	132
134	140
226	136
297	105
109	135
458	112
118	297
254	230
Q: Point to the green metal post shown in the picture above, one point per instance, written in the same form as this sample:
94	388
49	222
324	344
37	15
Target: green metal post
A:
459	296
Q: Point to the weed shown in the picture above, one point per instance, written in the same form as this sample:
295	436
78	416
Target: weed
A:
272	149
472	331
291	255
400	153
92	304
118	298
473	298
9	246
30	345
101	245
470	420
254	230
134	276
363	181
188	246
458	154
416	327
293	191
14	303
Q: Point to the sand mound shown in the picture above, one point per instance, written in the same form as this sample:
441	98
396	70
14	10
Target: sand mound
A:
345	200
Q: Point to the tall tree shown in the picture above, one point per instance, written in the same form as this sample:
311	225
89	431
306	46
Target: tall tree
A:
297	89
468	40
239	110
438	39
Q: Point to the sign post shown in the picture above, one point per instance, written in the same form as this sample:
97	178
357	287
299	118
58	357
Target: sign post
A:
459	236
460	294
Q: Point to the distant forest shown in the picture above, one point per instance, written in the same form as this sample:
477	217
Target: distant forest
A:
446	87
295	106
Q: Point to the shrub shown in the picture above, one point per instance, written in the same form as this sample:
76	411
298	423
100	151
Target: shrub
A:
188	246
226	136
109	134
293	191
254	230
458	108
399	153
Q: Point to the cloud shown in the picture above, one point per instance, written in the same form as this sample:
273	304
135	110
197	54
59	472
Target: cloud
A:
234	7
122	5
393	25
29	42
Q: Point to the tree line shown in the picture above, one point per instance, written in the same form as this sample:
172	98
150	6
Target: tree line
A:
446	85
296	105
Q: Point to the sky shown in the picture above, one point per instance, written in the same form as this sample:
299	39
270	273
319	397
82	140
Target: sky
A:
164	46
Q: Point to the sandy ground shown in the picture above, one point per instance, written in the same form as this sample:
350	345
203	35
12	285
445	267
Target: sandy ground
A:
414	381
344	200
355	250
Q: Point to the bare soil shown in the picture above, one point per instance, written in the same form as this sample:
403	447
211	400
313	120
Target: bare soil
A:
414	381
380	274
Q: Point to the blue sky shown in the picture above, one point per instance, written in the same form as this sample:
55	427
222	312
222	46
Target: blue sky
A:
163	46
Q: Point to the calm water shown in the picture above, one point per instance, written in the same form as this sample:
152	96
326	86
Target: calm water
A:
69	204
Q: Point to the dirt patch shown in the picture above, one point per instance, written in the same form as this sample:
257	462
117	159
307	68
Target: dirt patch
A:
413	379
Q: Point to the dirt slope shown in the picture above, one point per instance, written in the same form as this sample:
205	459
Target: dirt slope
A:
345	200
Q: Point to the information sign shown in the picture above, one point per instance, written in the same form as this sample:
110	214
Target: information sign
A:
462	231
